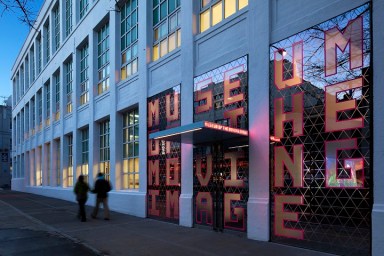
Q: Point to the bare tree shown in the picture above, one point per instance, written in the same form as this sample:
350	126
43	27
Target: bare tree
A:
22	8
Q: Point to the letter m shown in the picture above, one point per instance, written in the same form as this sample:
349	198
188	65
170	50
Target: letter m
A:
352	35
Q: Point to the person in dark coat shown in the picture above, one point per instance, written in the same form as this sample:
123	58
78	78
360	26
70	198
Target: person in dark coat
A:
101	189
81	190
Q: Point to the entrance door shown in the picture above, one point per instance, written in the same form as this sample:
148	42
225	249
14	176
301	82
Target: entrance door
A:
221	187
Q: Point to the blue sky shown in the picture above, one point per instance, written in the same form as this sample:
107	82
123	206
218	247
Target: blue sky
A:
13	35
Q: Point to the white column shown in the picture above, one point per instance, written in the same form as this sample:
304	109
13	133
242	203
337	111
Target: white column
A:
144	52
258	202
113	50
187	51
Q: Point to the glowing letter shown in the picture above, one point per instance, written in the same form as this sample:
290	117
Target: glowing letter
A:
296	116
281	215
172	168
153	147
293	165
204	179
172	203
352	35
172	115
153	167
238	212
229	86
153	113
204	204
200	95
233	182
297	67
232	115
332	106
153	194
354	165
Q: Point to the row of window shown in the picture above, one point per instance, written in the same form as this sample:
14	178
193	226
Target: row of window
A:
39	163
166	38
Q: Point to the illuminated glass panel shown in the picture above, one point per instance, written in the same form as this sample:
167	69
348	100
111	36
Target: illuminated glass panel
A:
217	13
85	153
104	165
220	171
220	95
205	18
129	36
68	81
58	162
103	59
39	166
47	103
166	20
230	7
242	4
131	149
164	174
84	82
70	161
320	101
212	12
56	80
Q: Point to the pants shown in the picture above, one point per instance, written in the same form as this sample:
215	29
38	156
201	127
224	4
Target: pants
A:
104	201
82	214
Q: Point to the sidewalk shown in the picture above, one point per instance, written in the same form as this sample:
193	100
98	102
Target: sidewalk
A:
27	221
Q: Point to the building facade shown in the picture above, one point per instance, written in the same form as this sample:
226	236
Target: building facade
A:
255	117
5	142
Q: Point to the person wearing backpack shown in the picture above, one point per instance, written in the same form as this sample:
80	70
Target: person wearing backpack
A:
101	189
81	190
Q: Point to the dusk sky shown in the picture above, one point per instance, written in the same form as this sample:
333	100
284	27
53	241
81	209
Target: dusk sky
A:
13	35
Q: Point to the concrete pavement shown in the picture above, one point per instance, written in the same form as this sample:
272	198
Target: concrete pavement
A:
37	225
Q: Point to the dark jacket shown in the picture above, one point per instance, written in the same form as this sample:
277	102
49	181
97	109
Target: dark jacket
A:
102	187
81	190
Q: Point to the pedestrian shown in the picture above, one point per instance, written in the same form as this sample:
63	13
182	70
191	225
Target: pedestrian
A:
81	190
101	189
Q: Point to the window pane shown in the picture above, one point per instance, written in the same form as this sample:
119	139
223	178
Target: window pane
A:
123	73
172	42
136	148
156	16
156	34
204	3
217	13
163	30
163	10
171	5
242	4
230	7
172	22
155	52
123	57
134	66
163	48
204	20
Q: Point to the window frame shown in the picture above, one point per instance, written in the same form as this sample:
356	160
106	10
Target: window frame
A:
133	144
161	42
